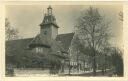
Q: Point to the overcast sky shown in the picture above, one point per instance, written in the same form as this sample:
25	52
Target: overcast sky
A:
26	18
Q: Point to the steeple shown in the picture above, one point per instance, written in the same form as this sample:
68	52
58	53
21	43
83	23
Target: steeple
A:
49	28
49	18
49	10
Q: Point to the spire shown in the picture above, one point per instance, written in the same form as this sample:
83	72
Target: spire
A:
49	10
49	18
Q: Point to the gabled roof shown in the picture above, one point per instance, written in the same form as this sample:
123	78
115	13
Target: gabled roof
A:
19	48
40	40
65	40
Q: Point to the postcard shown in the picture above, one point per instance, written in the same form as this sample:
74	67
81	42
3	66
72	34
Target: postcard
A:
60	40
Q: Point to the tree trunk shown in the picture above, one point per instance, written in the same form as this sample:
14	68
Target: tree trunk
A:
105	63
84	66
94	63
93	49
103	69
94	67
77	62
69	68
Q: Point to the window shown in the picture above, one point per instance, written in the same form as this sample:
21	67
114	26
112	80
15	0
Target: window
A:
39	49
36	49
45	32
59	52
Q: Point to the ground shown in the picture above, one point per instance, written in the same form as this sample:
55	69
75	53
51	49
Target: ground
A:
109	73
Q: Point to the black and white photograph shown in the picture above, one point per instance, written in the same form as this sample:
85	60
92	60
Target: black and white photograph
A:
64	40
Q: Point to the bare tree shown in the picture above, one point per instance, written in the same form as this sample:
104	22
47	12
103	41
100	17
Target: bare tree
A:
93	28
10	32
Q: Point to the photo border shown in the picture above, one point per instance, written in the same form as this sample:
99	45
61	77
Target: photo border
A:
2	40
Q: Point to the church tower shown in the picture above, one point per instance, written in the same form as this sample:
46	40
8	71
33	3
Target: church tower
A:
48	27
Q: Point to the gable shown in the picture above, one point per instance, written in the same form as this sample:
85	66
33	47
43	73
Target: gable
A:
40	40
65	40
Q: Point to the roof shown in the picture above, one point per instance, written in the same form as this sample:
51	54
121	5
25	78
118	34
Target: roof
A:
19	44
49	19
40	41
65	39
19	48
62	42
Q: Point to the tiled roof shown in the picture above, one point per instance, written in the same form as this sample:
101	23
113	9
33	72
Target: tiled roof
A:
62	42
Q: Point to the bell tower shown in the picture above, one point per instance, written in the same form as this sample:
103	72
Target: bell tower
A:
48	27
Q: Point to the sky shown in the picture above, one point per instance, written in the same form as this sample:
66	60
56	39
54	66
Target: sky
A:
26	18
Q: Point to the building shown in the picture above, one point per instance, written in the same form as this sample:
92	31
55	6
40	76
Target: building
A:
48	49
